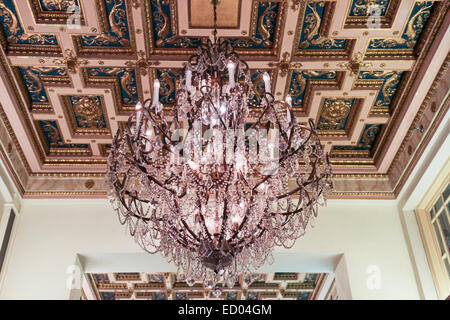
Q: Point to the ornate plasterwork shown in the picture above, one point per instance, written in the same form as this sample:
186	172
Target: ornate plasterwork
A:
316	51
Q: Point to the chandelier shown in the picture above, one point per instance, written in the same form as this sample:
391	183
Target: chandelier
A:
220	178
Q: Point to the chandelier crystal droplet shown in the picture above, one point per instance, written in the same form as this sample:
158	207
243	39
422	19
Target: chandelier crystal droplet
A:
220	178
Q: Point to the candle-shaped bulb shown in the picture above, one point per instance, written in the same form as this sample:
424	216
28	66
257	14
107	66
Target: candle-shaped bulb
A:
231	74
156	86
266	79
289	100
188	77
288	116
139	108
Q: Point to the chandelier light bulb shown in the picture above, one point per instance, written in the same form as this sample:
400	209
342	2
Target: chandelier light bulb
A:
139	109
289	100
230	66
188	77
266	79
156	86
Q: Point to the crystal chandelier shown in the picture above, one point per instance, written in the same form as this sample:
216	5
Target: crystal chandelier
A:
215	182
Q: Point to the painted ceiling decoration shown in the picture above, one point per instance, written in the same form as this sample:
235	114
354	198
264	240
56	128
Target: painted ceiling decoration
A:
70	86
169	286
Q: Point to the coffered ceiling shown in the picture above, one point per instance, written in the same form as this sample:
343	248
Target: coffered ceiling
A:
169	286
69	79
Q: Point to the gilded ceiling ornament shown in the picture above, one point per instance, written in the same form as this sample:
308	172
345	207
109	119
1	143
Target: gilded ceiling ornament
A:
285	65
52	134
58	5
117	30
311	33
136	3
335	110
265	27
295	4
389	86
16	34
411	34
369	136
142	64
355	65
88	111
71	61
367	7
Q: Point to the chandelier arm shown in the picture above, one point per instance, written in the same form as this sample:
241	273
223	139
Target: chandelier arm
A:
263	229
160	130
205	228
299	202
224	219
169	180
310	202
243	220
286	220
177	236
286	156
251	238
293	191
202	218
190	230
258	122
143	169
128	193
300	147
179	214
235	233
225	213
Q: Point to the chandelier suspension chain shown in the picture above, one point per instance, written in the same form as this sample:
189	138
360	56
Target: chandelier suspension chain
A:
215	19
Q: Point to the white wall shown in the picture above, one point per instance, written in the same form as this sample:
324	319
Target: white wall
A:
50	233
